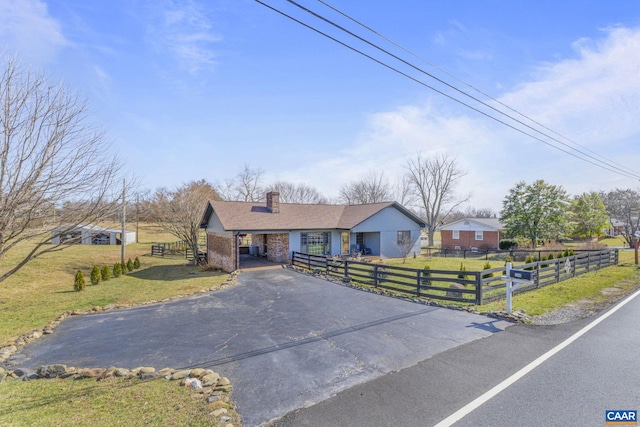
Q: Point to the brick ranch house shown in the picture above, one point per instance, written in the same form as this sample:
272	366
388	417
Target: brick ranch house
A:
468	233
274	230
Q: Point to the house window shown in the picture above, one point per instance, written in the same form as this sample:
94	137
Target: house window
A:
360	239
455	234
315	243
479	235
404	237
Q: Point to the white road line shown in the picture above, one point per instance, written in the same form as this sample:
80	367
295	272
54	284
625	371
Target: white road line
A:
470	407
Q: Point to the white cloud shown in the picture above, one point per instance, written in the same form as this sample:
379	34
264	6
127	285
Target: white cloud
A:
28	30
183	30
594	99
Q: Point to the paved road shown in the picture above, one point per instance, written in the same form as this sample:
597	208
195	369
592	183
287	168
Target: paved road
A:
596	372
284	339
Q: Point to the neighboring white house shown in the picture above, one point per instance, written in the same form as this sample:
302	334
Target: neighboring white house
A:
275	230
89	234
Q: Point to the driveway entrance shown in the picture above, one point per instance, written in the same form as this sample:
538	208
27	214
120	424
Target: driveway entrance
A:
286	340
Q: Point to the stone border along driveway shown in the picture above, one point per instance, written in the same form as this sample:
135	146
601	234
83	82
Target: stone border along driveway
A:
286	340
214	388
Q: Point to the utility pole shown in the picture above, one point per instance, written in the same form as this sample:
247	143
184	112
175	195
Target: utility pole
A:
123	236
137	220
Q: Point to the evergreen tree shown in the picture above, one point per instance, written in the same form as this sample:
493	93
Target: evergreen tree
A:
95	275
79	282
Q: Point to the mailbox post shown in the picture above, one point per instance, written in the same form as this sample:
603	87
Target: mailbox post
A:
513	279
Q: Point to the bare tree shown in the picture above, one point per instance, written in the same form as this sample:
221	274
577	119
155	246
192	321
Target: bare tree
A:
55	168
373	188
433	182
245	187
403	191
179	212
471	212
297	193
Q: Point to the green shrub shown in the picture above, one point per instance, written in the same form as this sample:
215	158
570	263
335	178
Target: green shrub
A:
507	244
79	283
129	265
136	263
105	273
550	256
566	253
527	261
95	275
117	269
508	259
461	275
487	266
426	274
559	255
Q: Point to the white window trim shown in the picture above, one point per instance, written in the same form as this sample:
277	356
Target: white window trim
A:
455	234
479	233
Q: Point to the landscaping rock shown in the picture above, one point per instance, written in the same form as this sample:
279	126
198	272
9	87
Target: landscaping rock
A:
218	412
453	292
210	379
51	371
91	372
22	372
197	373
121	372
180	374
148	375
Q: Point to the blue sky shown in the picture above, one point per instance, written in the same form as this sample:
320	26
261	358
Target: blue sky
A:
189	90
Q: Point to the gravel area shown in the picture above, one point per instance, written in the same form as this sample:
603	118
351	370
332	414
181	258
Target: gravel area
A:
562	315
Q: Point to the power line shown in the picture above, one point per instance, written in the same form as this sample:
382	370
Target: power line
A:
611	162
594	161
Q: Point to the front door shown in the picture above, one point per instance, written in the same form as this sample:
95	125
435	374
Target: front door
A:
344	242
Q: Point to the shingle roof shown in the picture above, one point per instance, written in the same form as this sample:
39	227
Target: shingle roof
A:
241	216
489	222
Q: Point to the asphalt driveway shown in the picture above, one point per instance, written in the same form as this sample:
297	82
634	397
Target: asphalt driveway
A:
286	340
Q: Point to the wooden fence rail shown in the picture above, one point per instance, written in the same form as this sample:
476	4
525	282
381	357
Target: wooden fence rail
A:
474	287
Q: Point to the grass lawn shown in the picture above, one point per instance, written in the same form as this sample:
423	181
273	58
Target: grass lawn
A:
106	403
43	289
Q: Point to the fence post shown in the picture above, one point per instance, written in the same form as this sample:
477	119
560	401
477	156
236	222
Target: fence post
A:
375	275
478	289
419	282
346	268
557	269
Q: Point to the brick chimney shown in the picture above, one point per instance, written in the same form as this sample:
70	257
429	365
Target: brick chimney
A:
273	201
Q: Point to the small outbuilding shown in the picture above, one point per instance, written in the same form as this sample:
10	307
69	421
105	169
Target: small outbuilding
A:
89	234
471	233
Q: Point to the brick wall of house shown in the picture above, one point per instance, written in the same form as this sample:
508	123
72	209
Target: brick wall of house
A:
278	247
220	251
490	240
